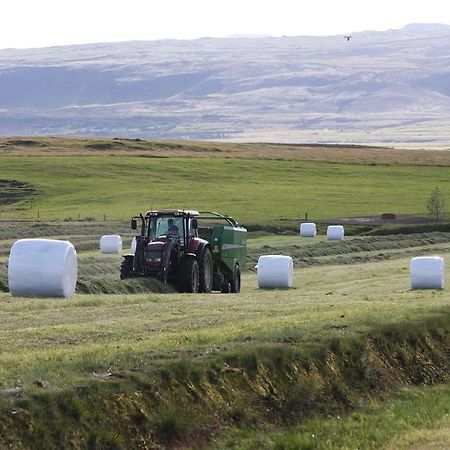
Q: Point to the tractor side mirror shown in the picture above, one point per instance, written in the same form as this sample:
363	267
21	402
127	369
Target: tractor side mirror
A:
194	224
133	224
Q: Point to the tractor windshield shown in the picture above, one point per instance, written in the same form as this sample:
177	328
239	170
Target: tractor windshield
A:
165	226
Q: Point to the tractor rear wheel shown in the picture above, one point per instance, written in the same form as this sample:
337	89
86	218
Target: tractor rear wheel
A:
189	276
236	281
126	267
206	272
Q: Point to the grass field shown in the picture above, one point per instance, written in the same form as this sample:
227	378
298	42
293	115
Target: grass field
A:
121	333
49	345
250	190
261	369
254	182
63	341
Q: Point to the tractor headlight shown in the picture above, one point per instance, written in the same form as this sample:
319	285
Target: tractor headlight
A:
154	259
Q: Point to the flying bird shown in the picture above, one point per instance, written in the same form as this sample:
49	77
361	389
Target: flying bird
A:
348	38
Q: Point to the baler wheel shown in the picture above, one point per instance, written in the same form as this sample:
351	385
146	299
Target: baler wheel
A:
236	281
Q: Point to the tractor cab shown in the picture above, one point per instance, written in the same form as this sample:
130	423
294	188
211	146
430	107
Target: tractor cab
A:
168	223
173	224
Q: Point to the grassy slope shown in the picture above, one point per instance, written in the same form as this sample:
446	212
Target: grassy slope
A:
348	154
251	190
254	182
417	418
65	341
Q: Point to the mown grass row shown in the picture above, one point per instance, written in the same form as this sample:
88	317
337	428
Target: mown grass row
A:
36	229
100	273
311	252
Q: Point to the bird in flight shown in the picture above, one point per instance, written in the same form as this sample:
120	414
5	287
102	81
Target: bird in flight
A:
348	38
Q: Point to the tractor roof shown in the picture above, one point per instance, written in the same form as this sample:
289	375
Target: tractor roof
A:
173	212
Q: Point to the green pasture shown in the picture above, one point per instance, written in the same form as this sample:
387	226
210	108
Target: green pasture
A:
219	359
251	190
65	341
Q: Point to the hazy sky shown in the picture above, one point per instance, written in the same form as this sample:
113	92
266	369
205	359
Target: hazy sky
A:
39	23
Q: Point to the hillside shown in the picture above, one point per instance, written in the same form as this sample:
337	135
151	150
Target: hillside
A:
254	183
381	87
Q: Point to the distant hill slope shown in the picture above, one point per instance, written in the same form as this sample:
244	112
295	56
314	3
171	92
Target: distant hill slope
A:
380	87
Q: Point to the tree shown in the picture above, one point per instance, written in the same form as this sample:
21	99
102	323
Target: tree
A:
436	205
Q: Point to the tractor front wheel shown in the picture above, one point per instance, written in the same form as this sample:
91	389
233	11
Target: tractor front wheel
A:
189	276
126	268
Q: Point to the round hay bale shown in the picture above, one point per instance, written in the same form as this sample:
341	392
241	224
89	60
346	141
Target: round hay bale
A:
308	229
275	271
427	272
388	216
335	233
111	243
42	268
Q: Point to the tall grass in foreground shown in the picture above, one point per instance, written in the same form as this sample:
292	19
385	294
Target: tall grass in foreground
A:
193	397
413	418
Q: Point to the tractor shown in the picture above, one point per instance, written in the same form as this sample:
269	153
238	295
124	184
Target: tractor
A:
172	247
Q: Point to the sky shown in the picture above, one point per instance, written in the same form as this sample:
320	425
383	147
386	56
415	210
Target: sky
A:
42	23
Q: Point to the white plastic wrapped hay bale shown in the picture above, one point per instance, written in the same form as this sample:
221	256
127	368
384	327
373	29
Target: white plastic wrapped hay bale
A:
275	272
133	245
308	229
42	268
111	243
427	272
335	233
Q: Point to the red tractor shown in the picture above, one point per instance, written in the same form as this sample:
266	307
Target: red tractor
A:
170	248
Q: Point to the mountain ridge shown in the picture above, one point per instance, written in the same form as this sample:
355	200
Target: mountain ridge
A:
380	87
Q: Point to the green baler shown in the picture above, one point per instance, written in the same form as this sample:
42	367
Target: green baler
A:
228	243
